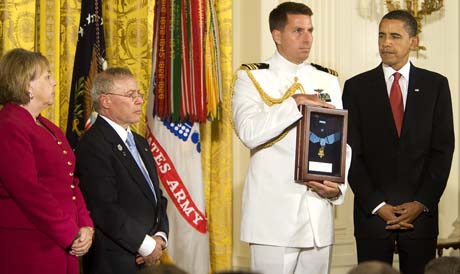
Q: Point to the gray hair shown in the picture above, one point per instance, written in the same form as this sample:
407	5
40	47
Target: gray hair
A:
104	83
443	265
373	267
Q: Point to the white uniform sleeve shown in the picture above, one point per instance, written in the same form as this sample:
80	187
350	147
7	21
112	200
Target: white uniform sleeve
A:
255	122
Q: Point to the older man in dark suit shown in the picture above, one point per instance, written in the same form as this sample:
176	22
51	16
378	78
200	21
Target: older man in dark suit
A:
401	133
119	181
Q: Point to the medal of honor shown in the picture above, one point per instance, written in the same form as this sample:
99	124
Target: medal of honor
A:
321	152
328	140
321	142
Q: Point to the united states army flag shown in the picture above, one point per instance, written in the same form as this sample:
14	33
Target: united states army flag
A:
176	150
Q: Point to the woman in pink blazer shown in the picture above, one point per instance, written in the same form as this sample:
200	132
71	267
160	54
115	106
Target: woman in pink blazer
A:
44	222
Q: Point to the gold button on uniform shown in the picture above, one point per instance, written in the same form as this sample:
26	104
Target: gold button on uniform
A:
69	163
64	152
72	186
71	174
74	198
59	142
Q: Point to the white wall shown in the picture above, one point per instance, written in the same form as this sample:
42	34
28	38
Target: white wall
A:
345	35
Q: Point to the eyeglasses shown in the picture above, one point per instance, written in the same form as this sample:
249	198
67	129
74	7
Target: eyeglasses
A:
131	94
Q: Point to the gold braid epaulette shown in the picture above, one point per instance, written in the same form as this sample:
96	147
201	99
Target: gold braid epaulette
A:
270	101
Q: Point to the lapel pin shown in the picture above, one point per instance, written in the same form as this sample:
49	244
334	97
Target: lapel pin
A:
416	90
145	149
119	147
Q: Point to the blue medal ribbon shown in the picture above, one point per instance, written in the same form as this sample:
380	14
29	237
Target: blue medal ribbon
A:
328	140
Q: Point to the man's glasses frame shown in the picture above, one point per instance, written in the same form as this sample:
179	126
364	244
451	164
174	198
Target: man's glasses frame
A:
132	94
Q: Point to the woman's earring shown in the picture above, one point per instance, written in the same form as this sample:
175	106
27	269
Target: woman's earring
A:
31	95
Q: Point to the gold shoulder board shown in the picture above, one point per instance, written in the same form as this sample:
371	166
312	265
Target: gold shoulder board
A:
255	66
328	70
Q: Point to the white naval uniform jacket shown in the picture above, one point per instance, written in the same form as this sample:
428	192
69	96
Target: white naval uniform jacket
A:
275	209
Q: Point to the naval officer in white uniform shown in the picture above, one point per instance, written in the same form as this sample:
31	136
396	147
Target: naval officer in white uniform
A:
289	226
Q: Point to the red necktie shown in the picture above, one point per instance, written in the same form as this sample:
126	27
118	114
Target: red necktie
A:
396	102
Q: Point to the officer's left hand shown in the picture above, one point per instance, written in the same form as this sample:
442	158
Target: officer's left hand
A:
327	189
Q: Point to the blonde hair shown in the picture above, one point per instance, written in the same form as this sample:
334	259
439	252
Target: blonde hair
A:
18	67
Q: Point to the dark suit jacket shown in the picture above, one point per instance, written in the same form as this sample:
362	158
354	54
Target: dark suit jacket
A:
414	167
120	201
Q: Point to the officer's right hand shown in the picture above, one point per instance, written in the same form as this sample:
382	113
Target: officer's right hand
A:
310	100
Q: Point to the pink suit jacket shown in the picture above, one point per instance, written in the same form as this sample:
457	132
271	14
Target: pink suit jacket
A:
41	206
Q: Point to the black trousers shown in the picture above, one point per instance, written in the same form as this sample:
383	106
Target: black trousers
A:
414	254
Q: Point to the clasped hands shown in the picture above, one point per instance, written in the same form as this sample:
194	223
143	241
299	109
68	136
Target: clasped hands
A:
82	242
154	257
401	216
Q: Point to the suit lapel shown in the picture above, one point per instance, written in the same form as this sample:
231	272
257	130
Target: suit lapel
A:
413	95
147	158
381	101
122	152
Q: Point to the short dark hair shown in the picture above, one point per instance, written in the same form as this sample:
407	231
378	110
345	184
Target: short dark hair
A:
278	16
408	19
443	265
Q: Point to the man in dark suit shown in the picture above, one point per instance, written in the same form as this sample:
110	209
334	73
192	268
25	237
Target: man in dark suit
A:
401	134
119	181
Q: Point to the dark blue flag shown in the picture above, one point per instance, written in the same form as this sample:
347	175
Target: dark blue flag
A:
89	60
